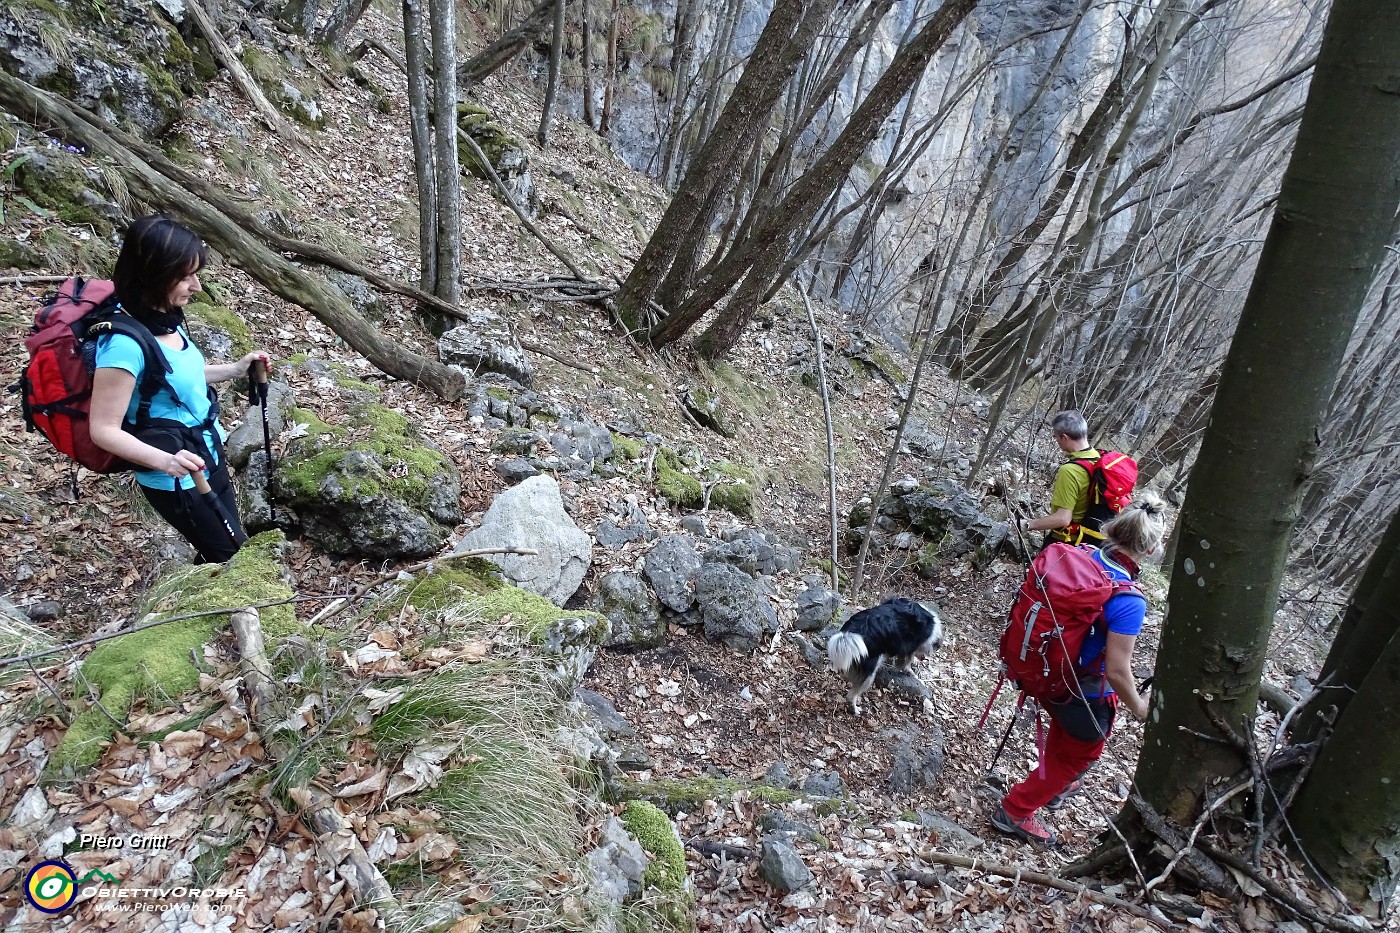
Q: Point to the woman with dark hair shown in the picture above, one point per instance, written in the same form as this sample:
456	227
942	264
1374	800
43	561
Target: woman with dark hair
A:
175	433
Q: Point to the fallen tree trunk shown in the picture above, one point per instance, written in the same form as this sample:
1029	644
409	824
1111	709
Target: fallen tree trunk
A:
227	231
494	57
239	75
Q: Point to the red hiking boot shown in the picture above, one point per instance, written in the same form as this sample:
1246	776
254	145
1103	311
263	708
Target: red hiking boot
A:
1029	829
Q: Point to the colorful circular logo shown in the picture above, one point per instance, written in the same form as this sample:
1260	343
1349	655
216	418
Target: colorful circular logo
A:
51	887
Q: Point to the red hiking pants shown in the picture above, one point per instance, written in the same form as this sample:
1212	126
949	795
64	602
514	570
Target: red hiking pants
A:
1063	760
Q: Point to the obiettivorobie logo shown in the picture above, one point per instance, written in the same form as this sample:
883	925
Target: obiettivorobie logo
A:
53	886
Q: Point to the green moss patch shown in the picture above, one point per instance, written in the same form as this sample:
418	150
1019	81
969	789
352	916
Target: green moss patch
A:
406	467
653	830
687	796
156	663
626	448
477	581
734	492
479	123
224	319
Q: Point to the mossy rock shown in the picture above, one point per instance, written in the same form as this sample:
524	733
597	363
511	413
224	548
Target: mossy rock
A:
496	144
626	448
474	588
734	492
58	182
15	254
218	330
679	488
372	487
664	882
156	663
128	63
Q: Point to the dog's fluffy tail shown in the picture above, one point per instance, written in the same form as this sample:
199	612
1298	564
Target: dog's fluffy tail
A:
846	649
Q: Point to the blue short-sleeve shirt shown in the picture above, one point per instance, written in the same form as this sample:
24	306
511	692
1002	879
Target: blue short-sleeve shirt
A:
184	398
1123	614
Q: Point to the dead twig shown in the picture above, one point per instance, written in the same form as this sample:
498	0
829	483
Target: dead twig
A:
31	279
706	847
928	879
94	639
62	710
1279	895
542	351
1195	831
336	838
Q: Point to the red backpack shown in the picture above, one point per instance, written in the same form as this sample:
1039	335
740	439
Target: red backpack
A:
1062	597
1111	480
56	386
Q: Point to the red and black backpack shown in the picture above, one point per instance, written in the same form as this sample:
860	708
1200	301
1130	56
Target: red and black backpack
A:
1061	598
56	385
1112	476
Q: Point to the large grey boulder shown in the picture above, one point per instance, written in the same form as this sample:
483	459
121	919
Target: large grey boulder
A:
465	347
919	758
248	436
632	610
747	550
670	567
630	753
733	607
531	515
782	867
817	607
584	441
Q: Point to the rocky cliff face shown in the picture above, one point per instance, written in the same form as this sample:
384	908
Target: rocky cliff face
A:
130	63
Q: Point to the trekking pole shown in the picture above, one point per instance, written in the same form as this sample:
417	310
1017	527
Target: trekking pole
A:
201	484
257	388
991	775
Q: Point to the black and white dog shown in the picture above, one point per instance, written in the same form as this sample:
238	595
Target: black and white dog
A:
898	629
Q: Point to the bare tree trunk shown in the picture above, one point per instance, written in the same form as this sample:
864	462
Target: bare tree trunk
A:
609	73
1336	213
424	170
442	16
556	55
679	236
792	216
682	55
341	21
587	55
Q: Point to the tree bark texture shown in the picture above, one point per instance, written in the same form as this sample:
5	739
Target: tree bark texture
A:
556	56
1347	814
609	73
420	129
1370	621
1335	214
442	15
791	216
227	234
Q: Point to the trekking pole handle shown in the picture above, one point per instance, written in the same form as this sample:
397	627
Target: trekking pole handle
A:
201	482
257	371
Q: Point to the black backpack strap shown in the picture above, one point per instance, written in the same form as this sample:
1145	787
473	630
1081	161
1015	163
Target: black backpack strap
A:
109	319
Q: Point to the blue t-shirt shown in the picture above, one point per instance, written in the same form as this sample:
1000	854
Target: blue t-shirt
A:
188	403
1123	614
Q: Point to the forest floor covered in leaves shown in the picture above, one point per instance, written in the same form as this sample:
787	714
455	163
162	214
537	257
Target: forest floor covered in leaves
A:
702	709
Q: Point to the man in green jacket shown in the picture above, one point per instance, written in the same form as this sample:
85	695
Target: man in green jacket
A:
1069	499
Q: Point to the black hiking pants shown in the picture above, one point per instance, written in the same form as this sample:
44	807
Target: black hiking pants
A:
187	512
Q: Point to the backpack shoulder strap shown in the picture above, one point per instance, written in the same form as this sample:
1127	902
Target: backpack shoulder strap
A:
111	319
